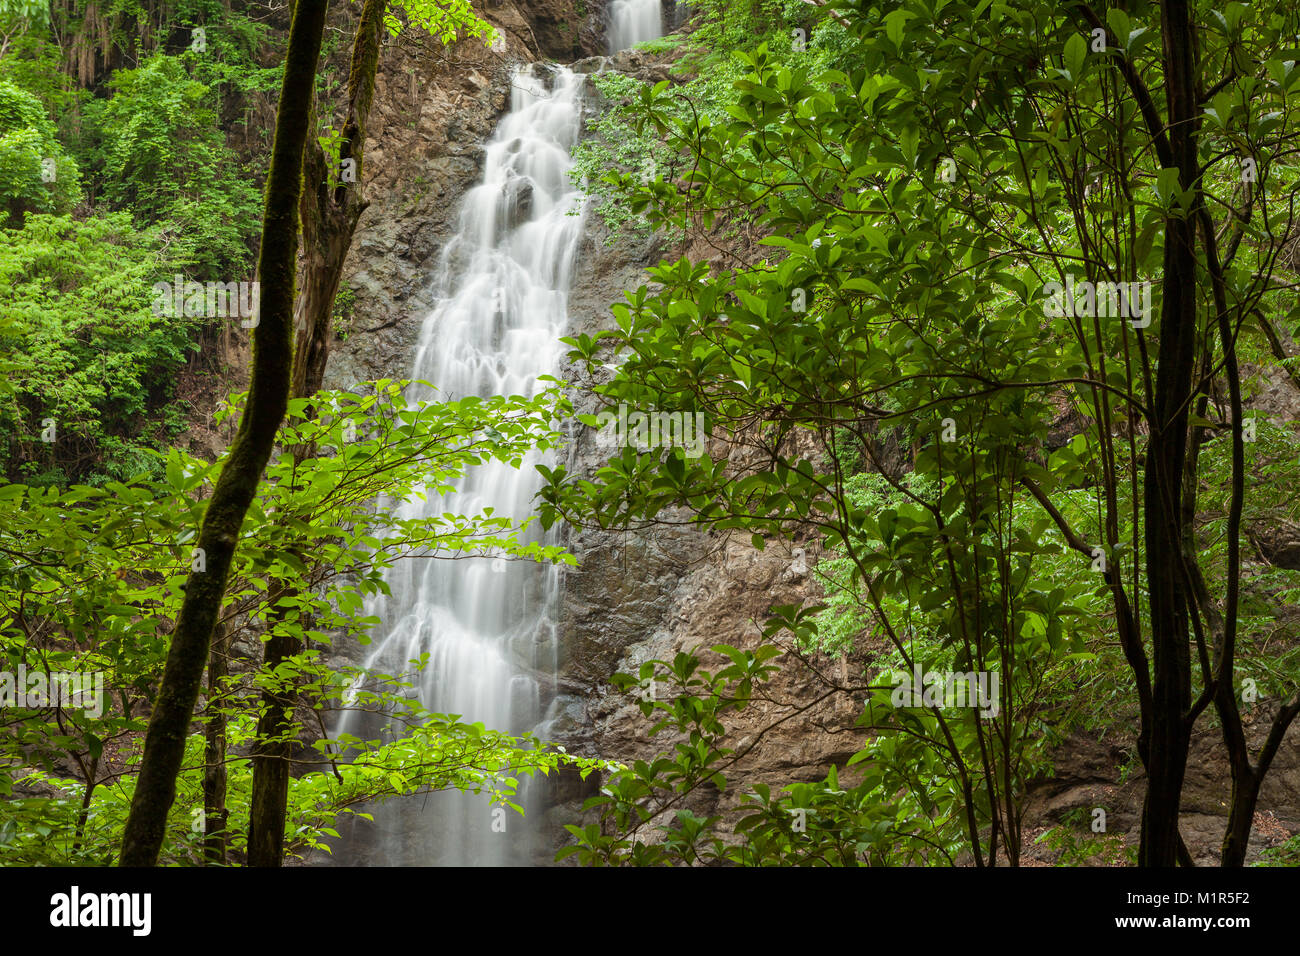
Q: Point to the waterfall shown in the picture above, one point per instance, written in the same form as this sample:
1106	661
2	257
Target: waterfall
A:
486	623
634	21
489	625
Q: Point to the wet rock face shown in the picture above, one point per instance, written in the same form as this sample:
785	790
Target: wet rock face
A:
516	203
1278	542
643	595
566	30
422	152
434	109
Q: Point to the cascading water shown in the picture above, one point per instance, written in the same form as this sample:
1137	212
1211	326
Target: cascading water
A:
487	624
634	21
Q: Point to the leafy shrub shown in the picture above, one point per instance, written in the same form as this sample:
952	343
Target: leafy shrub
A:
35	173
163	157
81	346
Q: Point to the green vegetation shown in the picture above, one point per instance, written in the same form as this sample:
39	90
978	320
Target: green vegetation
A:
90	579
139	163
913	189
988	305
618	153
35	173
166	161
88	364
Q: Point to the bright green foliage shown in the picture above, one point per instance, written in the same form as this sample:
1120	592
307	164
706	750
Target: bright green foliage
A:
90	579
35	173
317	519
22	14
84	350
164	159
1288	854
447	20
76	329
611	151
33	62
916	201
1080	846
228	53
18	17
617	154
888	813
440	753
235	49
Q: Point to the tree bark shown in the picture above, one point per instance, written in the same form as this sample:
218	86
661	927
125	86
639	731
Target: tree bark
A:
329	218
236	486
215	814
1166	459
1246	785
273	750
329	215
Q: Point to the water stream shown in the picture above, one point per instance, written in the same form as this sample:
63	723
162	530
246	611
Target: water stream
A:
489	625
634	21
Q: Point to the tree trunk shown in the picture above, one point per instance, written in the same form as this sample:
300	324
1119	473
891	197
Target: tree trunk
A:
329	218
1241	814
272	752
215	814
1246	783
268	396
329	215
1166	460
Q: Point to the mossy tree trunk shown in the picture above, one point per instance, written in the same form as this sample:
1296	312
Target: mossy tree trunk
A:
236	486
330	208
331	205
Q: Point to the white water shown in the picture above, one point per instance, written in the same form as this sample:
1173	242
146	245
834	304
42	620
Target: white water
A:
487	624
490	630
634	21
